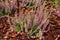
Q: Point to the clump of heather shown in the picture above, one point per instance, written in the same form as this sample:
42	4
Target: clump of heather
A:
32	21
30	16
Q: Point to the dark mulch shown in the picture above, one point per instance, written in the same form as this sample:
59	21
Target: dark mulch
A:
54	32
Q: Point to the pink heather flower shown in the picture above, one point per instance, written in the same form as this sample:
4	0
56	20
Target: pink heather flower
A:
57	10
7	7
38	19
29	21
58	13
40	16
23	1
13	4
1	4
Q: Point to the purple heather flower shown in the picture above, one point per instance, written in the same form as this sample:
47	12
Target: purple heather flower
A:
7	7
13	4
39	17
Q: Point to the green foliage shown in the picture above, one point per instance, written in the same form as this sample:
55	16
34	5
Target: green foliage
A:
55	1
4	13
58	1
17	28
31	5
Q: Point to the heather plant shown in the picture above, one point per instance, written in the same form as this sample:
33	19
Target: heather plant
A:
7	6
31	23
35	21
